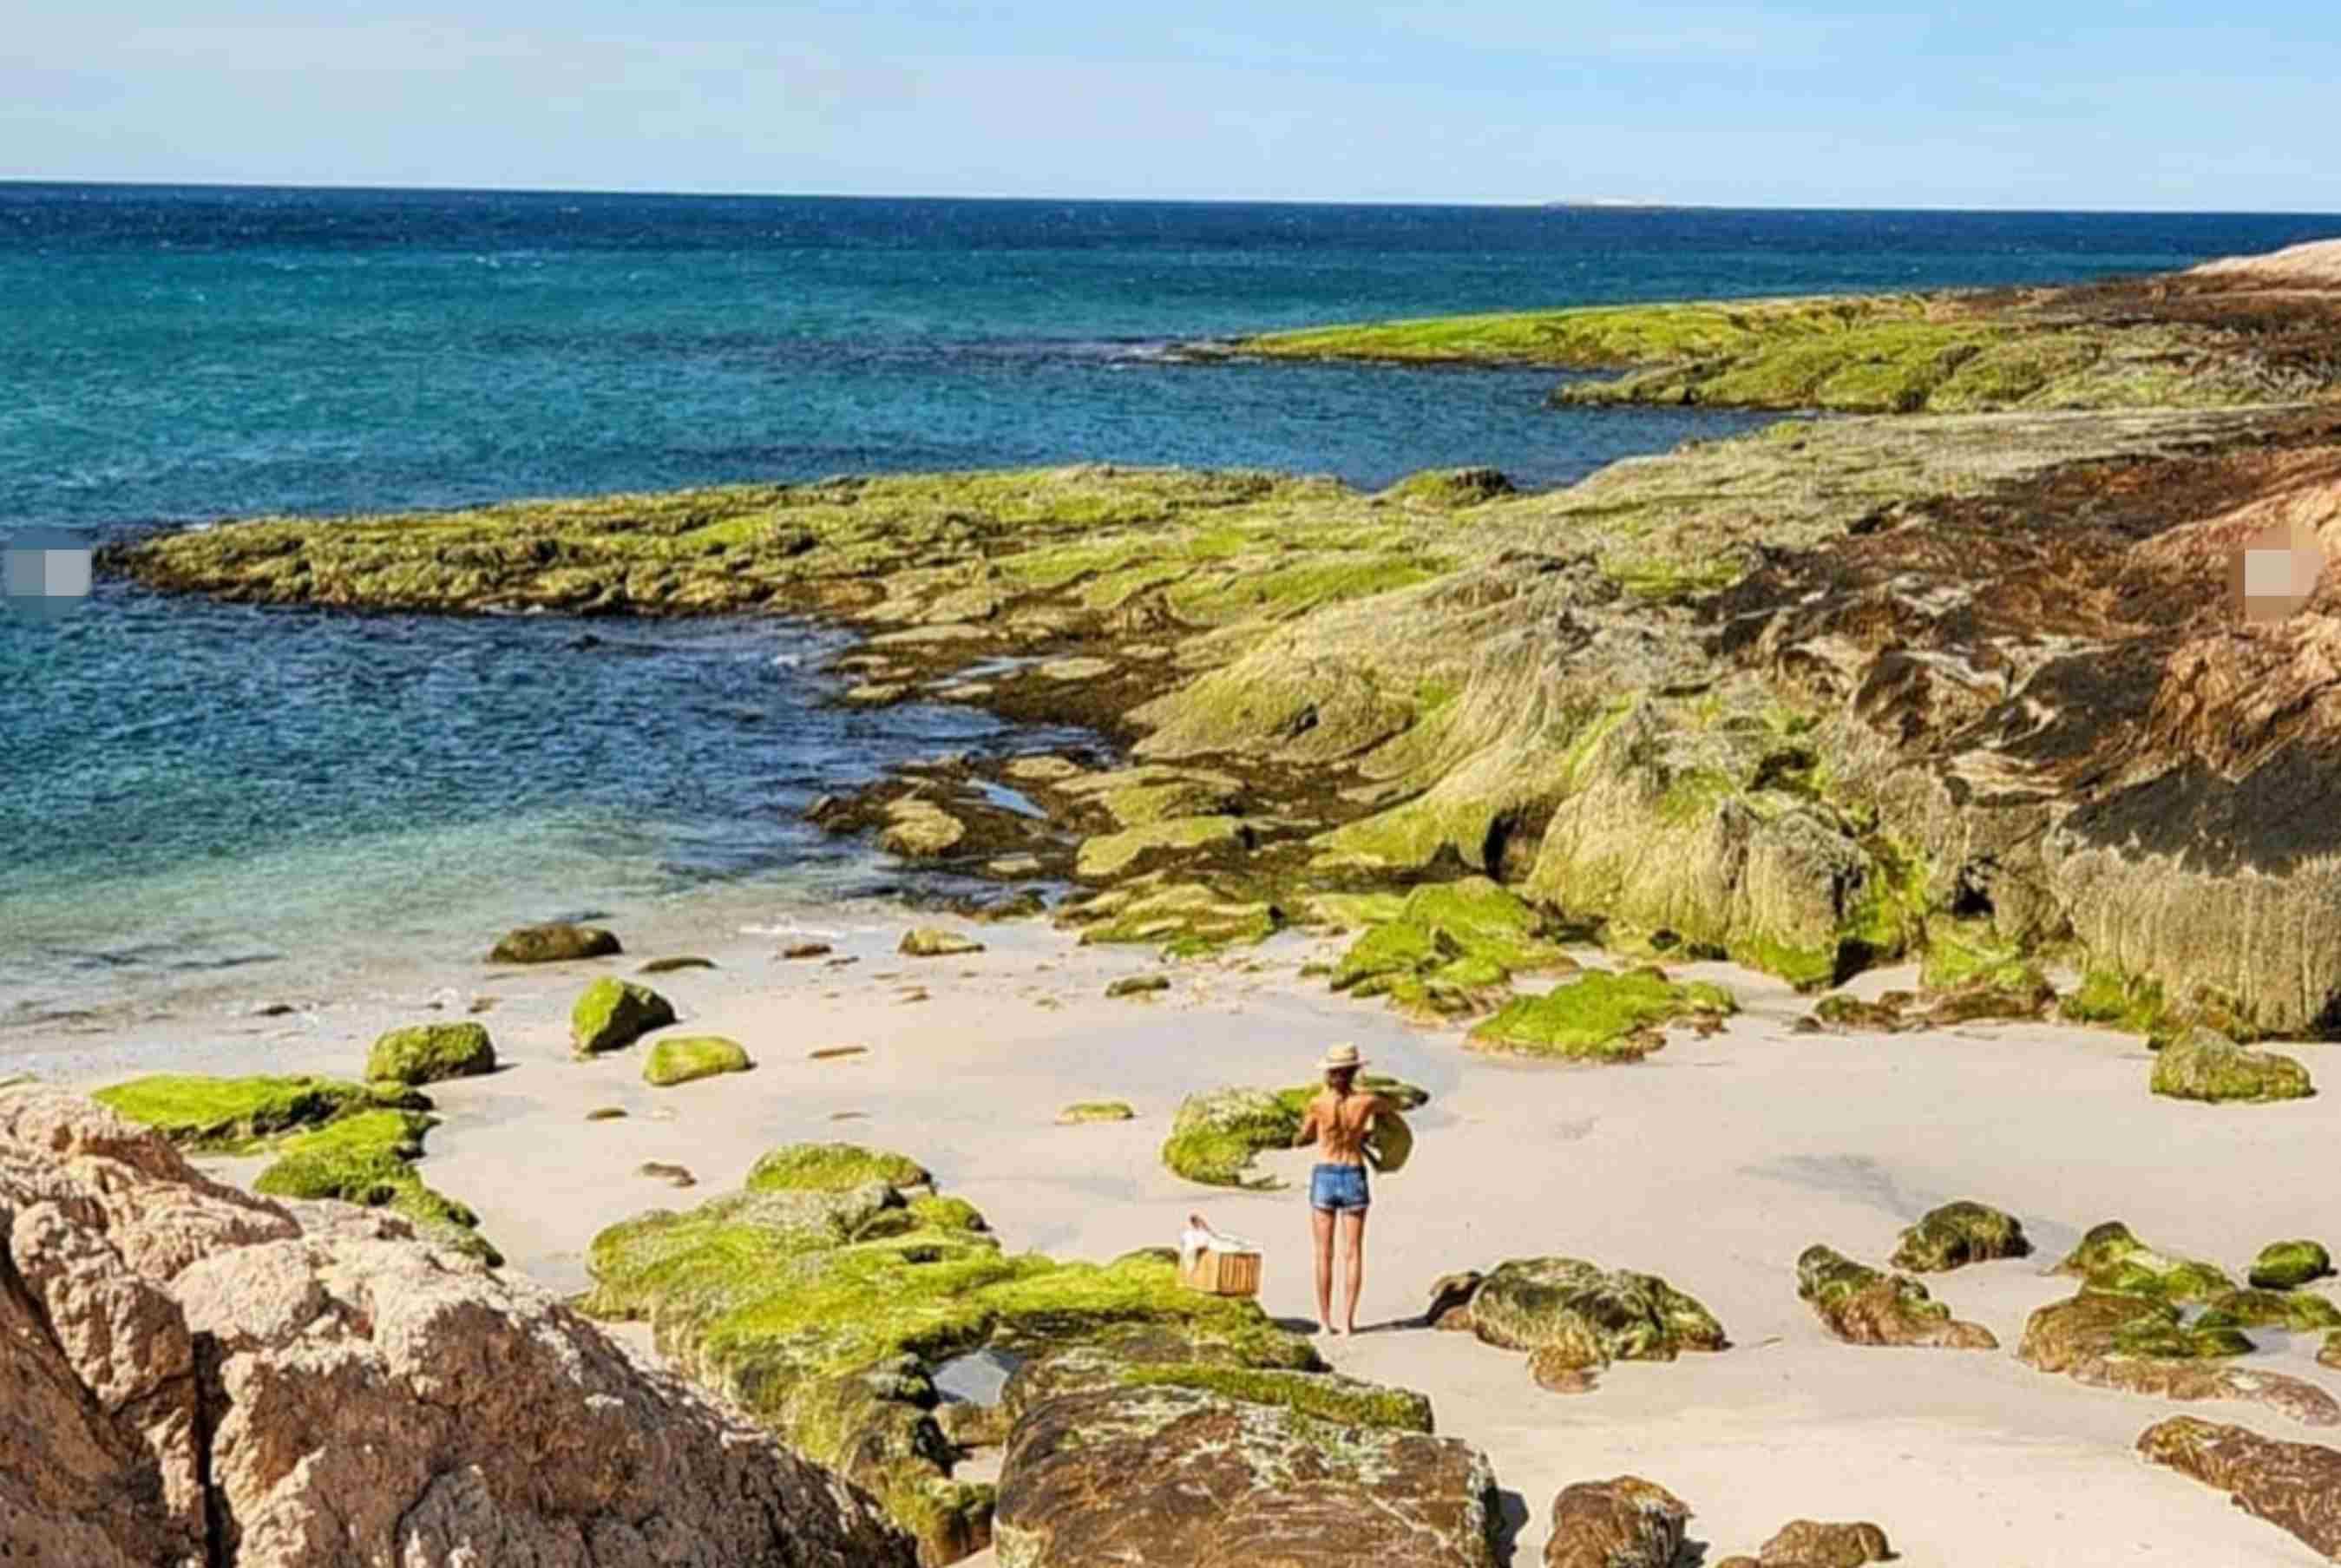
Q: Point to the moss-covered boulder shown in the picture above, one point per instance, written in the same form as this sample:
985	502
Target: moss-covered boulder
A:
2287	1265
1958	1234
556	942
679	1059
933	942
614	1013
232	1115
918	829
428	1053
1167	1475
1451	949
825	1295
1601	1017
2110	1258
1083	1113
2302	1312
1862	1306
1214	1134
1588	1316
2140	1344
834	1168
2204	1065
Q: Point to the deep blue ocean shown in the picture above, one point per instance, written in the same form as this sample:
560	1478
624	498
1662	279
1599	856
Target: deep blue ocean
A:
195	790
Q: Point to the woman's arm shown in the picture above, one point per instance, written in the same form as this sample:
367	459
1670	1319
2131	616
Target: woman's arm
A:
1308	1135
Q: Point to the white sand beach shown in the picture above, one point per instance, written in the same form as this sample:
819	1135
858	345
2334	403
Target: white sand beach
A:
1713	1163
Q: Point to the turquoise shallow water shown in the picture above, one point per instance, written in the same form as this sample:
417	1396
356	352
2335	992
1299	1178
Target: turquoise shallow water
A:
197	791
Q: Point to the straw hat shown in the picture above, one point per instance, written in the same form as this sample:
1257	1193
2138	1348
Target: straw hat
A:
1339	1057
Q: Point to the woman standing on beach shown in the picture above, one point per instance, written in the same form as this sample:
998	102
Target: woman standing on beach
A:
1340	1118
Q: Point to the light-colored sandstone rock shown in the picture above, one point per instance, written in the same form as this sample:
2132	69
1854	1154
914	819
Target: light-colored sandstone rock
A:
355	1396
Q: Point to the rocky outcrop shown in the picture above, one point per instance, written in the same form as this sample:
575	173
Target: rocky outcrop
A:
2314	265
554	943
428	1053
1174	1477
1626	1522
2295	1486
1958	1234
195	1376
1864	1306
2204	1065
614	1013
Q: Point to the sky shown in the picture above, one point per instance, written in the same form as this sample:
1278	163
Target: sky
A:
1997	104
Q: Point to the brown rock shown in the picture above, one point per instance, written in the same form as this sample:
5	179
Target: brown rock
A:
1807	1543
1172	1477
1627	1523
2296	1486
806	950
553	942
1861	1305
1451	1300
1560	1369
359	1398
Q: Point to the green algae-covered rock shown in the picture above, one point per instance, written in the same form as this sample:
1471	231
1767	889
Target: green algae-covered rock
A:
368	1158
2286	1265
2101	1324
554	943
2110	1258
806	1300
680	1059
932	942
1602	1017
1109	854
1185	919
1862	1306
2115	1000
1214	1134
1451	489
2204	1065
228	1115
1591	1315
1959	1234
833	1168
614	1013
2302	1311
428	1053
1451	949
1083	1112
1329	1396
919	830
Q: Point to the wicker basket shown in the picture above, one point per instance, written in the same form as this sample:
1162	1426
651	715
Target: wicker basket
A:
1222	1274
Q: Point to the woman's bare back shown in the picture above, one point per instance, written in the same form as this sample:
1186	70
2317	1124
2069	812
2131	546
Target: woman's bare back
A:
1339	1123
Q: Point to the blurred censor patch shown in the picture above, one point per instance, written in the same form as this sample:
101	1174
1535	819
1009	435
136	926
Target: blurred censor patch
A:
44	575
2274	574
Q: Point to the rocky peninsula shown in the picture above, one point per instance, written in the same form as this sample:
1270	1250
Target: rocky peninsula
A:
1883	823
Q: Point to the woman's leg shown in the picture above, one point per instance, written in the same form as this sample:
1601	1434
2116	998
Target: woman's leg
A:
1353	1243
1320	1221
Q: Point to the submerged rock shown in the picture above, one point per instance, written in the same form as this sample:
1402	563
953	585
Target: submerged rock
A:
2204	1065
553	942
1627	1522
1861	1305
359	1398
2286	1265
428	1053
2295	1486
681	1059
1958	1234
614	1013
1168	1476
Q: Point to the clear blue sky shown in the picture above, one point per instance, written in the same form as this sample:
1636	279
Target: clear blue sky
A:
1997	104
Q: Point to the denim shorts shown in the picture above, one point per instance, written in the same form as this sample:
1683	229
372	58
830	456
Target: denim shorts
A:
1338	1189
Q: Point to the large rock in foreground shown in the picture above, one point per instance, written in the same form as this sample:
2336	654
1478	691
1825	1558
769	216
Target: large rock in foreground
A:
2296	1486
191	1375
1173	1477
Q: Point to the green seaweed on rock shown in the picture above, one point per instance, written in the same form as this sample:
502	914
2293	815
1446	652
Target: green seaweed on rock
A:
1600	1017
